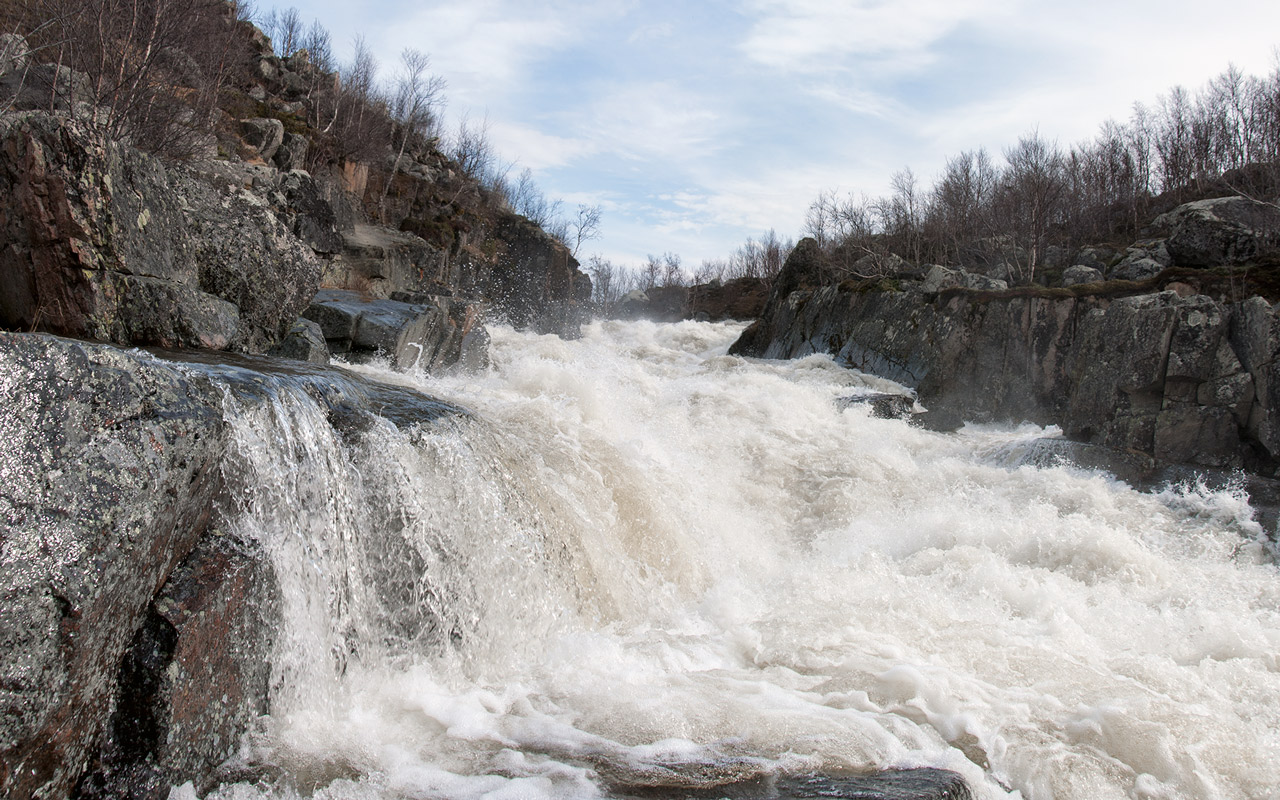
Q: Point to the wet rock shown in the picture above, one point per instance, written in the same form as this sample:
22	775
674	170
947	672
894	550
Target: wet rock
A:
135	636
883	405
196	676
1178	377
1222	231
427	334
536	284
109	470
305	342
892	784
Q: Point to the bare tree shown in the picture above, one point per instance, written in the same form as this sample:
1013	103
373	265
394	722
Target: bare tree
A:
1032	190
584	227
413	109
286	31
149	71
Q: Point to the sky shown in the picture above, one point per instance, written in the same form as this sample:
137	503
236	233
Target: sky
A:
695	125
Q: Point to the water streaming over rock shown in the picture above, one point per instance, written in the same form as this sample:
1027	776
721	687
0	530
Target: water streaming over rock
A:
643	563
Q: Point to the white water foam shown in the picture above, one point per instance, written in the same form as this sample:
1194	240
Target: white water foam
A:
647	563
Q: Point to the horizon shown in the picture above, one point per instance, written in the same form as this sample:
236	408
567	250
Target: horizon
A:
696	127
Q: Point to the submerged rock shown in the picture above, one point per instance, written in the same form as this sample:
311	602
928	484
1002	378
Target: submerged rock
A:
892	784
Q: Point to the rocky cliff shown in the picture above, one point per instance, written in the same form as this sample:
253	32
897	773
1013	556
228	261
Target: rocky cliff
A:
226	250
1175	368
135	628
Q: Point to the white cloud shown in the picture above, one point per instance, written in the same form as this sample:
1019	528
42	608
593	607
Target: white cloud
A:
656	121
817	36
535	149
482	46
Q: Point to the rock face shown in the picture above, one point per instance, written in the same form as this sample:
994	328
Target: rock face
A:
536	283
1155	373
739	299
428	333
96	519
100	245
1222	230
135	635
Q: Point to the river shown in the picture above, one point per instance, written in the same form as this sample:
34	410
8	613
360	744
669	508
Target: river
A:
641	562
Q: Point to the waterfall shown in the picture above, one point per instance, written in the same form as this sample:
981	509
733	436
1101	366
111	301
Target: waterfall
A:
638	562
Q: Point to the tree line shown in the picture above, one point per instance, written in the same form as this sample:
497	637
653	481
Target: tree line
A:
1013	215
756	258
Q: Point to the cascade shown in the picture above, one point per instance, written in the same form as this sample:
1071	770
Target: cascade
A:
639	564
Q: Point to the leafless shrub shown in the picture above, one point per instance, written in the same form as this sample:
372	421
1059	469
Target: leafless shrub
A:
152	69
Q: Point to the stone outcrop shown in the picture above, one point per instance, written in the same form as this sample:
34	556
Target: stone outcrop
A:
101	245
427	333
536	282
1222	230
1181	377
110	470
135	633
737	299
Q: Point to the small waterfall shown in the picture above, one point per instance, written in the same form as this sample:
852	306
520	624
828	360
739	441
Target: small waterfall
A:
637	562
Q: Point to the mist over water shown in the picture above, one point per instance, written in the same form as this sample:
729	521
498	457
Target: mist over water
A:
643	562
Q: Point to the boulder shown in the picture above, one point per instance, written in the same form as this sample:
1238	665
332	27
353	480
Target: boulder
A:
111	467
263	134
1137	269
1222	231
292	153
426	334
939	278
248	257
306	212
305	342
15	54
39	86
1073	276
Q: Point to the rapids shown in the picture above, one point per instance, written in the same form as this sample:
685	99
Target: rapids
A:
641	562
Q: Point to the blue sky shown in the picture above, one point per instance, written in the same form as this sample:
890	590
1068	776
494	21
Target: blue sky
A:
697	124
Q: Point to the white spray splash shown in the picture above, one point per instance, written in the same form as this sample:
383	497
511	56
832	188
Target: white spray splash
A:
647	563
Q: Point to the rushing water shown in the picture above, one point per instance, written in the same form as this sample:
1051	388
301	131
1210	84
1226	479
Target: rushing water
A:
643	562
